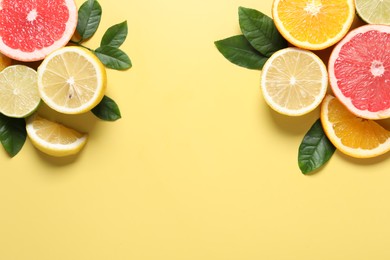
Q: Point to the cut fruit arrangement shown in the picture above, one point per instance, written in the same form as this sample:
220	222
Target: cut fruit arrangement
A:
294	80
70	78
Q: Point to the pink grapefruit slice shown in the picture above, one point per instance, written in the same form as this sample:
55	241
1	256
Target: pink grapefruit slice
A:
31	29
359	71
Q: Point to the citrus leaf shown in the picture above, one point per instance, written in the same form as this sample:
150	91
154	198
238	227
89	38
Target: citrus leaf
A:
115	35
315	149
239	51
113	58
260	31
89	16
107	110
13	134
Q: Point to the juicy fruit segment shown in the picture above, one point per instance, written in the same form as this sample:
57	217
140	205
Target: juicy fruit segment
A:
374	11
313	24
359	71
352	135
19	95
30	29
294	81
53	138
72	80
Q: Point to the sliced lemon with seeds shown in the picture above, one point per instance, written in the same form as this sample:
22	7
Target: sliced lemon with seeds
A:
54	138
72	80
19	96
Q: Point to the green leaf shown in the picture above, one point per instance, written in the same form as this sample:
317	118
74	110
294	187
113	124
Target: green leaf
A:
260	31
113	58
107	110
239	51
12	134
315	149
89	16
115	35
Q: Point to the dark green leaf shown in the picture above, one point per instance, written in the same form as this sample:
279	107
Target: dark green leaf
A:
115	35
12	134
89	16
315	149
239	51
107	110
113	58
260	31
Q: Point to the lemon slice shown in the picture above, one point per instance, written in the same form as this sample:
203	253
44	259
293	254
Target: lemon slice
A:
72	80
352	135
53	138
294	81
19	95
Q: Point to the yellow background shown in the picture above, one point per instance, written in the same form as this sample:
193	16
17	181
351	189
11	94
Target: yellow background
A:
198	167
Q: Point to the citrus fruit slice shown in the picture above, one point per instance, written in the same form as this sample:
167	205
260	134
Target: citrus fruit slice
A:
374	11
352	135
359	71
72	80
294	81
19	95
30	29
5	61
313	24
53	138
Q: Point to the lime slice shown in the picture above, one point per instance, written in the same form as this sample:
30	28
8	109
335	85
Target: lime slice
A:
19	95
374	11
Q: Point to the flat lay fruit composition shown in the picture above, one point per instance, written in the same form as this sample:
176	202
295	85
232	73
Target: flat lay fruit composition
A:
355	82
44	59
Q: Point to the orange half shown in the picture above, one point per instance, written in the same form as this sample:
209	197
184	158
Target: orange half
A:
313	24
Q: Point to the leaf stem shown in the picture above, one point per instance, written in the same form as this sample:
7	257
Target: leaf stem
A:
79	44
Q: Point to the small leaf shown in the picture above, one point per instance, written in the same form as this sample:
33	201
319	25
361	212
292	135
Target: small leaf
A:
113	58
12	134
239	51
89	16
315	149
260	31
107	110
115	35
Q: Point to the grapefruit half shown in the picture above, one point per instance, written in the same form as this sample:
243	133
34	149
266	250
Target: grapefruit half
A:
31	29
359	71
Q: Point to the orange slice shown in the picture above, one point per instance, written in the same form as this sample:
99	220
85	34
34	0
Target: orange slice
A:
313	24
352	135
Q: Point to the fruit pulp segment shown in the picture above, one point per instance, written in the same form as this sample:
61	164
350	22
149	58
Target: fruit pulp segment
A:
374	11
301	17
294	80
70	80
29	25
363	70
55	133
354	131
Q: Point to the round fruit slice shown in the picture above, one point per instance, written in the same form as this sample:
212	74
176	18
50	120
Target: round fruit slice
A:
374	11
53	138
313	24
19	95
359	71
294	81
30	29
352	135
72	80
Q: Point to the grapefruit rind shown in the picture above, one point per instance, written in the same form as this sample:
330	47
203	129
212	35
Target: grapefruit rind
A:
40	54
306	44
337	141
333	80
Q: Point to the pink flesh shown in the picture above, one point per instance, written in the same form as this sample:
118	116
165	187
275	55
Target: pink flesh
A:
19	33
353	71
